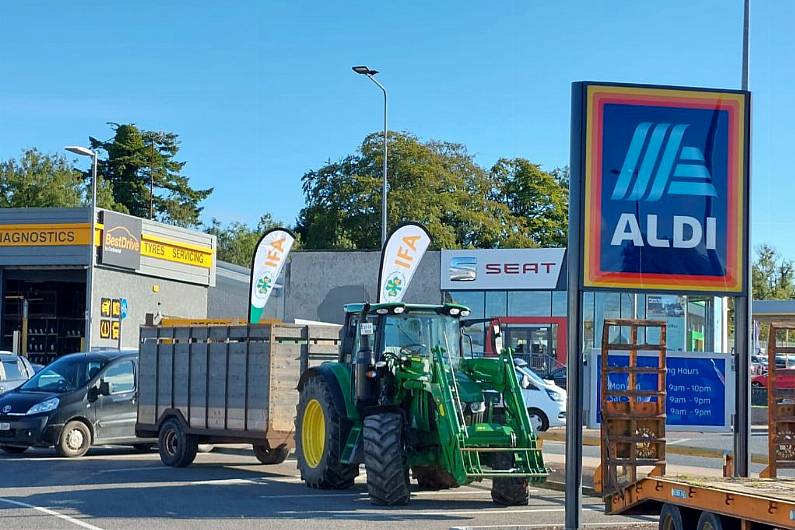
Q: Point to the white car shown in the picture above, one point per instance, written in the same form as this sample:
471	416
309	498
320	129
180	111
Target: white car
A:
545	401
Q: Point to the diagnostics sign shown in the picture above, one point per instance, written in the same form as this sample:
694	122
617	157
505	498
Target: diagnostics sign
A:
665	188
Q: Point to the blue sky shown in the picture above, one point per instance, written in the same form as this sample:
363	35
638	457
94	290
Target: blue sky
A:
261	92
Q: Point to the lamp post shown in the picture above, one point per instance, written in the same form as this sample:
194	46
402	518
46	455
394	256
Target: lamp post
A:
364	70
84	151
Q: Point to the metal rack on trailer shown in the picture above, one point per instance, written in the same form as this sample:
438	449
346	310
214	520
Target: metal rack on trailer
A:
703	503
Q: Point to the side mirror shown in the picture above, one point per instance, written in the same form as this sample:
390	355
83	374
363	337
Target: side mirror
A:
105	388
497	338
526	383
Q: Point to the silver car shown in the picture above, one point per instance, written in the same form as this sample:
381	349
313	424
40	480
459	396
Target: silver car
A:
14	370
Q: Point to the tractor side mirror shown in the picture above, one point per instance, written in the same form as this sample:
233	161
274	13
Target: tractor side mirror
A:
497	338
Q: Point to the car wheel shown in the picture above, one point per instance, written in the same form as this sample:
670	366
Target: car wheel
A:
538	420
14	449
74	441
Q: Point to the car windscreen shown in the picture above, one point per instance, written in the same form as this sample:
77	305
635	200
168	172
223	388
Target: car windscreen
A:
534	377
12	369
64	375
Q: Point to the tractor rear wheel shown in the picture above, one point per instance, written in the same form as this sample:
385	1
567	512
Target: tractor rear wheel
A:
385	459
317	428
508	491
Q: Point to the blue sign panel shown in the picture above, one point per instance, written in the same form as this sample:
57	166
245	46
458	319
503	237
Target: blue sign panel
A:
696	388
665	189
123	313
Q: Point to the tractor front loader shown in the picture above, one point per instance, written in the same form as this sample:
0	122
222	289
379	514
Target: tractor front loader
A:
402	400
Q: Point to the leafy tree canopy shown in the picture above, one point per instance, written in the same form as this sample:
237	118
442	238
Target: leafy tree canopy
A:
537	199
40	180
772	276
146	177
436	183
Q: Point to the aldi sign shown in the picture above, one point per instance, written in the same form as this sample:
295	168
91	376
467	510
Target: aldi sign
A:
665	188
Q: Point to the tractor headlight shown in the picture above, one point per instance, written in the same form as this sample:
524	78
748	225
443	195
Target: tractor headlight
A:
454	311
477	407
466	313
399	309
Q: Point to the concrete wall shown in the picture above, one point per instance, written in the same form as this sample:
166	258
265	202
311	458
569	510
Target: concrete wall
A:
174	298
318	284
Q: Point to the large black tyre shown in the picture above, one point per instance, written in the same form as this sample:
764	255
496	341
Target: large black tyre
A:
711	521
431	478
508	491
176	447
74	441
316	446
385	459
671	518
13	449
266	455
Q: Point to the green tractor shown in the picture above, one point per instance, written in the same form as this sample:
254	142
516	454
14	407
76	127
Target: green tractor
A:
403	399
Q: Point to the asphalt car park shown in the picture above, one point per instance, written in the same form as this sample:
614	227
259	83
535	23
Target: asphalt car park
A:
117	488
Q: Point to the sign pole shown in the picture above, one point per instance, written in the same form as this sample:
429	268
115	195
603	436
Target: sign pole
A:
574	406
742	317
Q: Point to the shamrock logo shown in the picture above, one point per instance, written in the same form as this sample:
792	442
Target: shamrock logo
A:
394	284
264	284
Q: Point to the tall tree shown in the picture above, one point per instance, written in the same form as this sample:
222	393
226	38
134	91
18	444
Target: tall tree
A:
435	183
43	180
146	177
773	276
537	198
236	241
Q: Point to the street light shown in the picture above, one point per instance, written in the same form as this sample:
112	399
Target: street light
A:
84	151
364	70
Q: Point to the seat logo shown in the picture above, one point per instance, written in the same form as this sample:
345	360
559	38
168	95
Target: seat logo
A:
656	160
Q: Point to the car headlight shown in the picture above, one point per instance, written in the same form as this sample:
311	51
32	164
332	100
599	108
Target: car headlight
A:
556	396
44	406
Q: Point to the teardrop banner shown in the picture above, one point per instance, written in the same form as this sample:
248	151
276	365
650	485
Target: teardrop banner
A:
270	255
400	257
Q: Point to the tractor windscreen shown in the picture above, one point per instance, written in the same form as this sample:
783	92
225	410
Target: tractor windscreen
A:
417	334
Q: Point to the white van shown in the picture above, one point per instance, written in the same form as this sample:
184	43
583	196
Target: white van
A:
545	401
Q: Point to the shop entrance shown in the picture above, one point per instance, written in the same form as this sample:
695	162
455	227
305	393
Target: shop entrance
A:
55	301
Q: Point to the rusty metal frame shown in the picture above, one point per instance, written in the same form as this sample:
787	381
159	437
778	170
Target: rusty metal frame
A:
632	429
780	414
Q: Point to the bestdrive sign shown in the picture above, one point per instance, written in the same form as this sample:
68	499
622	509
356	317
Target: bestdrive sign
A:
665	187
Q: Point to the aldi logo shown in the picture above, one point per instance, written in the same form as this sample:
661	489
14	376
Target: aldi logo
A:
665	188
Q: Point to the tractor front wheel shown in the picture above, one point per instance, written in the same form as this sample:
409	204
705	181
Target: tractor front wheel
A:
317	427
508	491
385	460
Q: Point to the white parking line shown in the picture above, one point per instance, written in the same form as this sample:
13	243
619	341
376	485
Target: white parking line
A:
363	494
490	511
52	513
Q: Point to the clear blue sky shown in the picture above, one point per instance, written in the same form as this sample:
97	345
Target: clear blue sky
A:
260	92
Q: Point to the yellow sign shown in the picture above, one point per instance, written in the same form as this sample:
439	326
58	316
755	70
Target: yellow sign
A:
104	329
115	328
41	235
177	252
115	311
105	307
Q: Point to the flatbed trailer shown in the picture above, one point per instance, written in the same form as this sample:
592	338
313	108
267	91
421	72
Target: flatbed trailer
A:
737	502
633	436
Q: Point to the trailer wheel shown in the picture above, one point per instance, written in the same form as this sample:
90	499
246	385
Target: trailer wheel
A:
711	521
671	518
385	459
266	455
317	430
508	491
177	448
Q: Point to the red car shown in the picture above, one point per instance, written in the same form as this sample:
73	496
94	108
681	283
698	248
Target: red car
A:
785	378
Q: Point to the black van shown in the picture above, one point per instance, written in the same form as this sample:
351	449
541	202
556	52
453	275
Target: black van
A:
79	400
